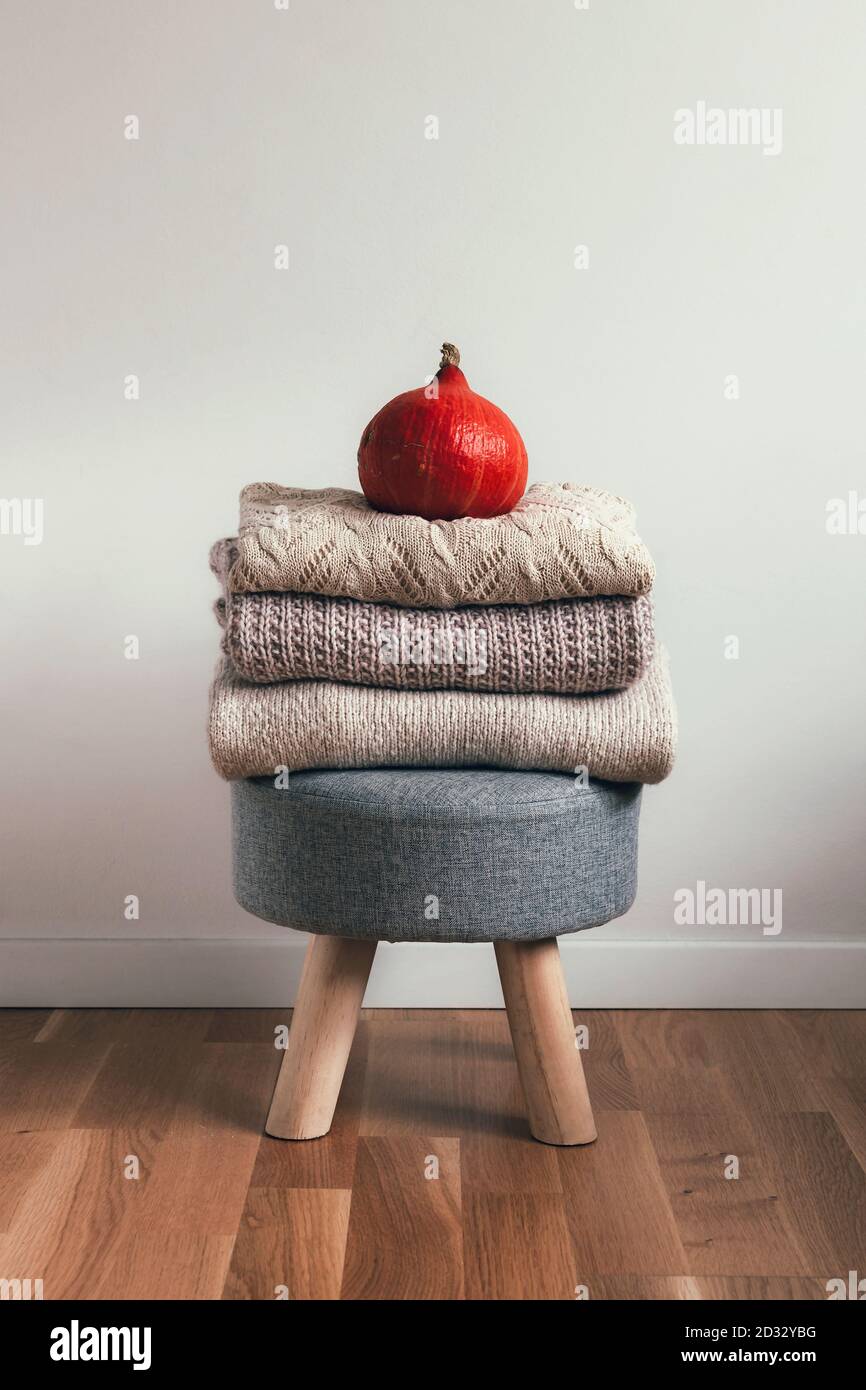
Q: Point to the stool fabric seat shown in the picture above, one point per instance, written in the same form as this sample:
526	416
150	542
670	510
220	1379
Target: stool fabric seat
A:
466	854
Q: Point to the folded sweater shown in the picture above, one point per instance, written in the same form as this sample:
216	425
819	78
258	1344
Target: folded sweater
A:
627	736
564	646
560	541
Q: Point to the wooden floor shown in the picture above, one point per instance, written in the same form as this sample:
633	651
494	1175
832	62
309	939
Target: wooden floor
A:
429	1185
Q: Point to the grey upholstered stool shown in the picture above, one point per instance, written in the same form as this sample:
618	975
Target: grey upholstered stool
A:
516	858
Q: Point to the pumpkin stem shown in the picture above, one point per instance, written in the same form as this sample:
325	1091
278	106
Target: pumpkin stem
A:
450	356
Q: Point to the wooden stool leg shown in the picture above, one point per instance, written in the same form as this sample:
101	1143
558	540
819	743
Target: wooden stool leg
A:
543	1034
329	1000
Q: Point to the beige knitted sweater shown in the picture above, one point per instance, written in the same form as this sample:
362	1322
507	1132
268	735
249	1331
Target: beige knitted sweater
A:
626	736
560	541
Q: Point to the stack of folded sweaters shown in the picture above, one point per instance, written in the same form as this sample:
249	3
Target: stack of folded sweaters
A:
356	638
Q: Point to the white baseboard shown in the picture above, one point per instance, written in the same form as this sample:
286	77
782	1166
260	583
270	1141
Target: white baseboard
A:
225	973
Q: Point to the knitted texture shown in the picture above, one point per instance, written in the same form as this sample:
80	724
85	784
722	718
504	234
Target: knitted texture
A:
560	541
627	736
565	646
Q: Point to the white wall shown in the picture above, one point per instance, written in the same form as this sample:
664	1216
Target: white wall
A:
307	127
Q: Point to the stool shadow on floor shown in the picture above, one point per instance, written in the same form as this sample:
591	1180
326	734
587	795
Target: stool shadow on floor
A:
329	1001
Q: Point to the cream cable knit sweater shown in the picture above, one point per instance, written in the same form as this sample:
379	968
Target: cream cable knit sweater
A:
627	736
560	541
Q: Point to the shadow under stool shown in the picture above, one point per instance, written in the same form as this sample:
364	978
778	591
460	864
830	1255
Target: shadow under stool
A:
452	855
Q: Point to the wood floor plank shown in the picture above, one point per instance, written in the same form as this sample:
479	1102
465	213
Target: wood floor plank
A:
822	1186
684	1090
645	1288
450	1080
164	1265
687	1089
728	1225
670	1064
431	1015
405	1232
607	1076
697	1062
227	1088
183	1027
177	1089
749	1046
516	1246
196	1185
760	1289
828	1042
101	1195
663	1038
140	1084
71	1215
845	1100
616	1203
73	1026
508	1163
291	1244
247	1025
22	1157
42	1086
21	1025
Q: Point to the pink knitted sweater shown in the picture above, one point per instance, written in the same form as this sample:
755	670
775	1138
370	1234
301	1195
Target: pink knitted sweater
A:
566	646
